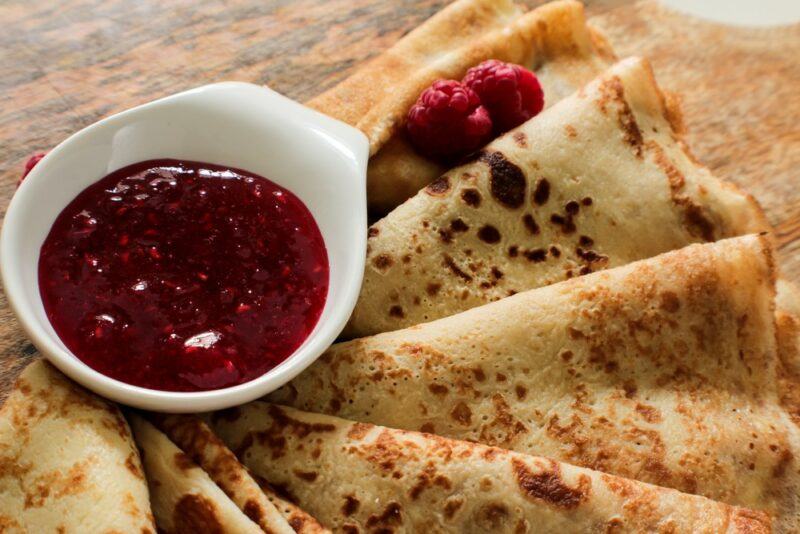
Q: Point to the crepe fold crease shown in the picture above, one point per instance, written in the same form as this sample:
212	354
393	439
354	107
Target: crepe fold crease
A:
259	502
183	496
553	40
68	462
663	370
600	179
358	477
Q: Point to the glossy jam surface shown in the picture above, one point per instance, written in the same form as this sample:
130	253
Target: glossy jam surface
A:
183	276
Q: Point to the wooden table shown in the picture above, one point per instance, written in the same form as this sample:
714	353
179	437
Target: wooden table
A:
65	65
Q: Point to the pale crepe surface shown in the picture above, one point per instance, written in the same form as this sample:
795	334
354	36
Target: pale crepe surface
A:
359	478
68	462
663	370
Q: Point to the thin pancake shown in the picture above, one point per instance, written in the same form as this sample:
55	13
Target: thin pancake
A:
662	370
67	461
598	180
261	505
455	27
361	478
553	40
184	499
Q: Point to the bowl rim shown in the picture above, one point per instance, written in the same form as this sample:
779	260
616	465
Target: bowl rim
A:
344	136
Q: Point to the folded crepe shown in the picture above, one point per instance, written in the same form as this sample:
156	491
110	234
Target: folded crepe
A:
663	370
553	40
183	496
357	477
598	180
67	461
259	502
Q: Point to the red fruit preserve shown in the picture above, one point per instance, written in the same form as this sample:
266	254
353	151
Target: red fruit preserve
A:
183	276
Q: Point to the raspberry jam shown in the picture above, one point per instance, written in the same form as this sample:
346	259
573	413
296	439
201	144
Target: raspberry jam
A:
183	276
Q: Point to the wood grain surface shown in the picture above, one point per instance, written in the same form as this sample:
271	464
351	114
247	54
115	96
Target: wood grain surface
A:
65	65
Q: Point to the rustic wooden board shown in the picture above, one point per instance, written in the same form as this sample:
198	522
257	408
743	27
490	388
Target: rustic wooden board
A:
68	64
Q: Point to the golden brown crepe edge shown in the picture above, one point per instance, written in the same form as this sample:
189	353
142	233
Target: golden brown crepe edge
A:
555	34
349	100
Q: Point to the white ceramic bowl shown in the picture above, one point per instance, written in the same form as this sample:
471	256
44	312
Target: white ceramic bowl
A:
321	160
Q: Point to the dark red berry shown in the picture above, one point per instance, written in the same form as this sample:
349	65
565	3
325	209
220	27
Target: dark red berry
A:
30	164
448	121
511	93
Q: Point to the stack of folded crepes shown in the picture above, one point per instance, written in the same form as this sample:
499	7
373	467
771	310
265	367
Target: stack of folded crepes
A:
69	463
553	40
598	180
566	334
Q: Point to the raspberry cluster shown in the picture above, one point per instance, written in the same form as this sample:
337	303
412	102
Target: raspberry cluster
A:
451	118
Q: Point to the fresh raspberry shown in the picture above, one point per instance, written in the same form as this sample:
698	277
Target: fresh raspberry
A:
448	121
511	93
29	165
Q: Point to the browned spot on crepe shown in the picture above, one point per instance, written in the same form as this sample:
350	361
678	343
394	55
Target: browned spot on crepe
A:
541	194
536	255
433	288
507	182
183	462
391	516
308	476
452	506
548	485
350	505
132	465
462	413
194	513
439	187
438	389
489	234
455	269
382	261
252	509
530	224
612	92
472	197
492	516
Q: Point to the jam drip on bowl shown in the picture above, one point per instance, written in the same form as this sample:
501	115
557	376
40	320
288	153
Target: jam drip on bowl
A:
183	276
